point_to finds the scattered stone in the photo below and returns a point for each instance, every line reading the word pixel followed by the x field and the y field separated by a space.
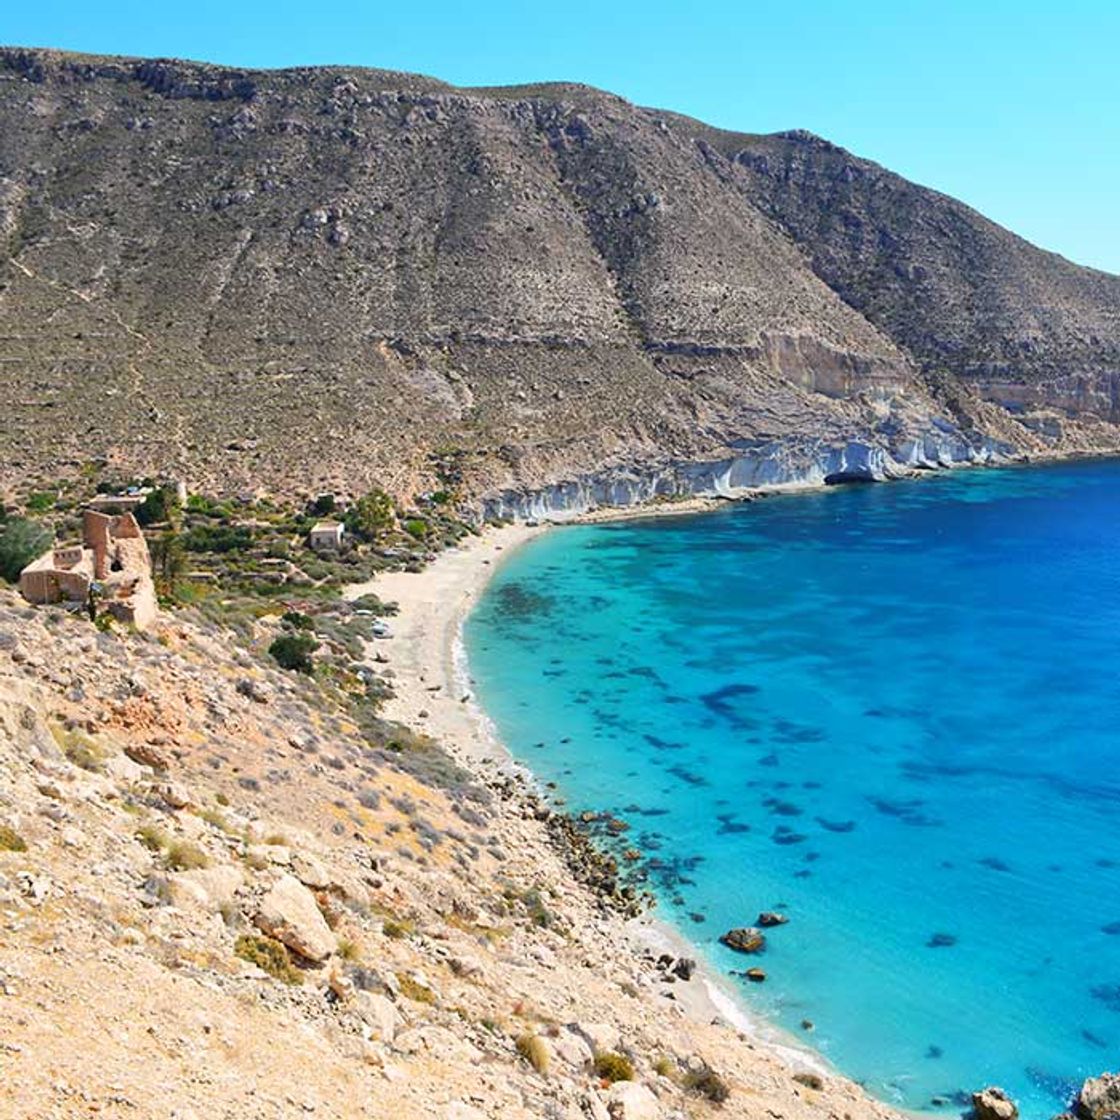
pixel 684 968
pixel 147 755
pixel 809 1079
pixel 631 1100
pixel 770 918
pixel 209 888
pixel 755 975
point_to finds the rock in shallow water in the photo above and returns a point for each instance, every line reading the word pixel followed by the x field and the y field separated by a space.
pixel 993 1104
pixel 1099 1097
pixel 745 940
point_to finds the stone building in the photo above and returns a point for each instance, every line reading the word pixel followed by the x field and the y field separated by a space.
pixel 110 570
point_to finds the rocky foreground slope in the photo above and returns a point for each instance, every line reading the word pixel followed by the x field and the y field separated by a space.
pixel 216 900
pixel 317 279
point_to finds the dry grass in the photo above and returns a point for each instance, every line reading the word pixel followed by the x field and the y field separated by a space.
pixel 268 955
pixel 534 1050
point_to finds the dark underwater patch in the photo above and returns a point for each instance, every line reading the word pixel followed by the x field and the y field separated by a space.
pixel 836 826
pixel 994 863
pixel 906 812
pixel 722 702
pixel 688 776
pixel 660 744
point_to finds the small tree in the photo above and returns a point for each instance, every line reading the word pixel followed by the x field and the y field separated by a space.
pixel 20 542
pixel 372 516
pixel 169 561
pixel 162 504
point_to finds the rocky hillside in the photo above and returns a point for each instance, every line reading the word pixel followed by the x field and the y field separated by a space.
pixel 953 289
pixel 320 278
pixel 217 899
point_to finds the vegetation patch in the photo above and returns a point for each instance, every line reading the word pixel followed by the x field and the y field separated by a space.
pixel 21 541
pixel 293 651
pixel 412 989
pixel 269 955
pixel 10 840
pixel 184 856
pixel 612 1066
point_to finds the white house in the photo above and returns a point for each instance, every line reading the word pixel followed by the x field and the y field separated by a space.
pixel 326 536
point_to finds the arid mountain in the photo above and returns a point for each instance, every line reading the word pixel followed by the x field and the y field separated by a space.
pixel 321 278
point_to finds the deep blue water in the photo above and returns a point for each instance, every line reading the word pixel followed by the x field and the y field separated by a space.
pixel 890 711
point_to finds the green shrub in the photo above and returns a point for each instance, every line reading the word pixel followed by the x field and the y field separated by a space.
pixel 268 955
pixel 416 527
pixel 21 541
pixel 162 504
pixel 611 1066
pixel 293 651
pixel 218 538
pixel 534 1050
pixel 41 500
pixel 10 840
pixel 297 620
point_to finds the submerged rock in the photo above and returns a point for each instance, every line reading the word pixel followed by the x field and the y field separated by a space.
pixel 745 940
pixel 993 1104
pixel 769 918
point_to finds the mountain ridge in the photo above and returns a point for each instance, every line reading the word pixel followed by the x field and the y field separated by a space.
pixel 329 277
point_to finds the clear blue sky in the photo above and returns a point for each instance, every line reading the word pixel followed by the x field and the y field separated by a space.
pixel 1012 107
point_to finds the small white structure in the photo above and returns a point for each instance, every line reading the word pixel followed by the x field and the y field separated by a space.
pixel 326 536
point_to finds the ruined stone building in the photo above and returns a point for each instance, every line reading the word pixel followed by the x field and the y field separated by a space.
pixel 109 569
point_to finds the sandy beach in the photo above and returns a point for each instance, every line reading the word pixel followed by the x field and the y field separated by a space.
pixel 432 692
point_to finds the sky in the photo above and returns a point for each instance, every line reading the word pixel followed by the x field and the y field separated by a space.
pixel 1013 108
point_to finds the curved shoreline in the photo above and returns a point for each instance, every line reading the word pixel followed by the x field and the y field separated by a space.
pixel 432 693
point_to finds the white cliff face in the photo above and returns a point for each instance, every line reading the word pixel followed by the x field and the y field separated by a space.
pixel 761 466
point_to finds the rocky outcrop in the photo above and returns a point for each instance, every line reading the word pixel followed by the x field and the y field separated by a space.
pixel 776 463
pixel 993 1104
pixel 1099 1098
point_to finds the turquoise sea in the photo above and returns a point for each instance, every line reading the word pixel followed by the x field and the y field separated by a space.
pixel 892 712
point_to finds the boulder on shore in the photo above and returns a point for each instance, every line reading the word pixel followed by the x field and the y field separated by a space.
pixel 1099 1098
pixel 993 1103
pixel 745 940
